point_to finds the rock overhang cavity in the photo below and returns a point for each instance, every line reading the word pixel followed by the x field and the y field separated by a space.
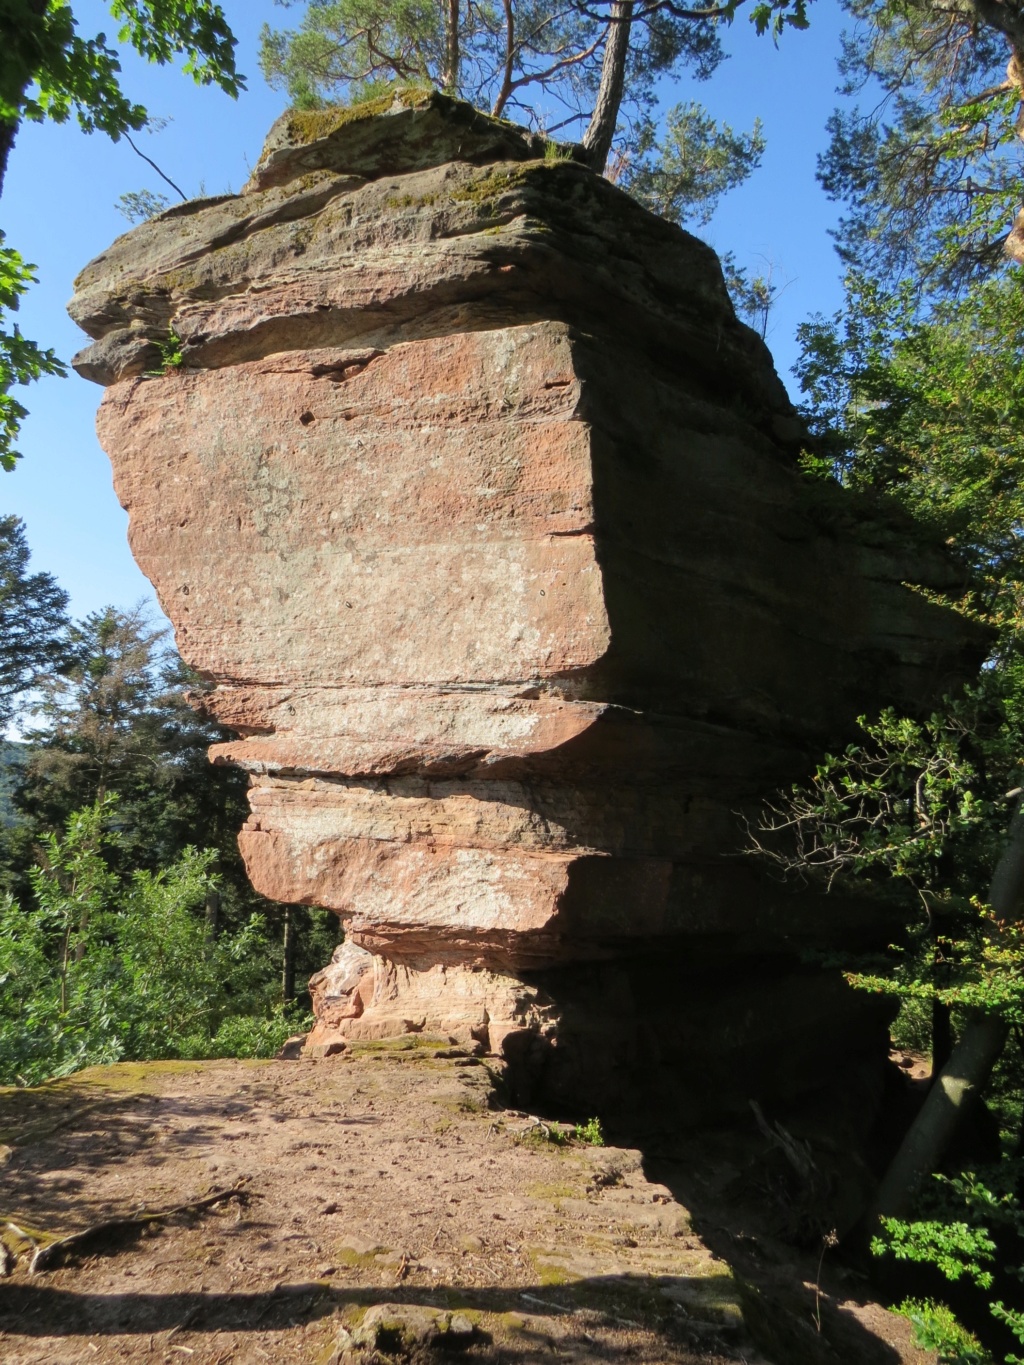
pixel 483 511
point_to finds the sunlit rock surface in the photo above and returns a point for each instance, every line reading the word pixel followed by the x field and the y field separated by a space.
pixel 483 512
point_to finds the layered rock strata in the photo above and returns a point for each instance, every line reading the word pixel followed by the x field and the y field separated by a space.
pixel 482 511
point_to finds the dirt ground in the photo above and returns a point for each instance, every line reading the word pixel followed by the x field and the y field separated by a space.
pixel 379 1208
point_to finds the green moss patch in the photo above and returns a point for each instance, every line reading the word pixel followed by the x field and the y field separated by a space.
pixel 485 190
pixel 552 1190
pixel 354 1258
pixel 313 125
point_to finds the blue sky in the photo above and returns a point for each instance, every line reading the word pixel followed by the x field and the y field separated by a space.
pixel 58 210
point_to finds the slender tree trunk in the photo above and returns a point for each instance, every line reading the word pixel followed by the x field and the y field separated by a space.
pixel 65 962
pixel 942 1020
pixel 964 1076
pixel 453 54
pixel 212 903
pixel 211 907
pixel 83 925
pixel 510 53
pixel 288 961
pixel 598 138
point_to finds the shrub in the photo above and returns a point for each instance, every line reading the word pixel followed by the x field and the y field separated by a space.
pixel 105 968
pixel 936 1329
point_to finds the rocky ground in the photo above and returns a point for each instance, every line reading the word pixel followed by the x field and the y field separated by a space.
pixel 379 1206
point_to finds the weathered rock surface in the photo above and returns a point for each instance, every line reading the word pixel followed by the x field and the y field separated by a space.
pixel 482 510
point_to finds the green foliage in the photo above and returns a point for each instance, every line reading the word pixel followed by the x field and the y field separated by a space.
pixel 1014 1320
pixel 247 1035
pixel 589 1133
pixel 927 411
pixel 34 627
pixel 924 409
pixel 526 59
pixel 350 48
pixel 959 1242
pixel 555 152
pixel 752 295
pixel 930 411
pixel 139 205
pixel 919 801
pixel 103 720
pixel 21 360
pixel 114 719
pixel 930 169
pixel 171 357
pixel 106 967
pixel 683 174
pixel 915 396
pixel 50 71
pixel 936 1329
pixel 911 1030
pixel 12 756
pixel 956 1249
pixel 774 16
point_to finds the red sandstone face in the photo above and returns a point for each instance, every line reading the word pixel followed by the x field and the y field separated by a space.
pixel 418 518
pixel 470 497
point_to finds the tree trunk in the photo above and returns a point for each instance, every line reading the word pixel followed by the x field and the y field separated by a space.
pixel 948 1102
pixel 288 960
pixel 968 1069
pixel 211 908
pixel 501 99
pixel 942 1038
pixel 598 138
pixel 942 1019
pixel 453 55
pixel 83 925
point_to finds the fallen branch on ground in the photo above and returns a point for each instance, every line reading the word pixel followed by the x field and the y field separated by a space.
pixel 796 1152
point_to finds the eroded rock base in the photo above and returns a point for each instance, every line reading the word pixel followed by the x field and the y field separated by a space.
pixel 652 1041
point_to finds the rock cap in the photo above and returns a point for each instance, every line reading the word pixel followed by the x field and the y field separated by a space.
pixel 410 128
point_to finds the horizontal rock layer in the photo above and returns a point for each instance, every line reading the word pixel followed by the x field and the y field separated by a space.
pixel 482 511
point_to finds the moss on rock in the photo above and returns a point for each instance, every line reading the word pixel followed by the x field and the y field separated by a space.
pixel 311 125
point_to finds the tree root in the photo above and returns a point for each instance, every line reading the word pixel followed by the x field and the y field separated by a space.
pixel 54 1254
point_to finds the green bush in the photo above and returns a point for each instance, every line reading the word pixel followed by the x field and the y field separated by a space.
pixel 936 1329
pixel 105 967
pixel 957 1239
pixel 246 1035
pixel 912 1027
pixel 590 1133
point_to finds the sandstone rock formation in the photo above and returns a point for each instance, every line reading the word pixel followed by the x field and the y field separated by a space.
pixel 482 510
